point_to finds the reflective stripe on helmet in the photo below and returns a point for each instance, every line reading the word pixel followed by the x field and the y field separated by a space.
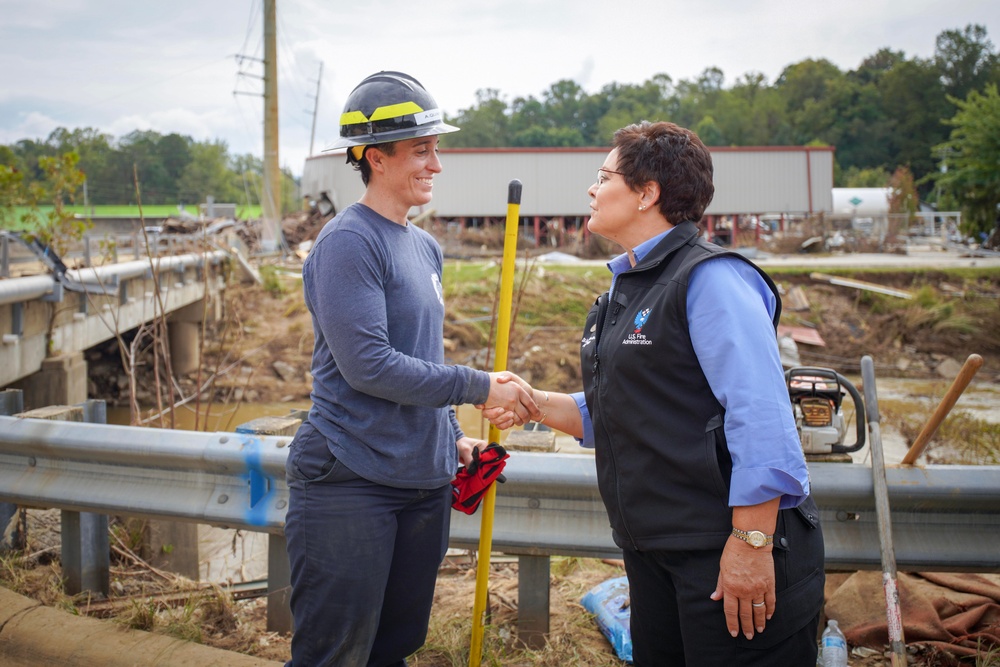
pixel 352 118
pixel 395 111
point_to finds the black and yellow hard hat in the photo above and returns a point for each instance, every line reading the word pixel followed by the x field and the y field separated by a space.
pixel 384 107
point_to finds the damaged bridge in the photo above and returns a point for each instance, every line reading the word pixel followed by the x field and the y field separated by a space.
pixel 47 321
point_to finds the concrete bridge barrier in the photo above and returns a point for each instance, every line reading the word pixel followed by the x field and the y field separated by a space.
pixel 33 635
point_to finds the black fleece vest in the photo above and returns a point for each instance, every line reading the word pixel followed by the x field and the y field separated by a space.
pixel 662 460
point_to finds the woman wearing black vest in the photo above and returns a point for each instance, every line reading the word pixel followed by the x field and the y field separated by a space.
pixel 699 463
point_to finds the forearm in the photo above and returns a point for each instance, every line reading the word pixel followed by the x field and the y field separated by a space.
pixel 560 410
pixel 762 517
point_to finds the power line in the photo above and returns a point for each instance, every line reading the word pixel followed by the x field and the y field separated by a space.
pixel 152 84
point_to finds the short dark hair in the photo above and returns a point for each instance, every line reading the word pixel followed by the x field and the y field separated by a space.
pixel 389 148
pixel 676 159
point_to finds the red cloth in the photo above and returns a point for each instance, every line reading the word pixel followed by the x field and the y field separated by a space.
pixel 958 613
pixel 471 482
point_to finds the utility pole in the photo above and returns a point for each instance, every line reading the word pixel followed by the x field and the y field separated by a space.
pixel 271 213
pixel 312 135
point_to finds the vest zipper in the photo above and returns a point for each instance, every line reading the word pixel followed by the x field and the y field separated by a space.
pixel 602 322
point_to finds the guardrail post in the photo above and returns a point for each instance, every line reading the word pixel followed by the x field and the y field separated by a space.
pixel 11 402
pixel 4 256
pixel 533 600
pixel 86 549
pixel 279 571
pixel 12 537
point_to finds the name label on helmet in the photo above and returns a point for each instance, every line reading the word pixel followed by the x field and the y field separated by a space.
pixel 429 116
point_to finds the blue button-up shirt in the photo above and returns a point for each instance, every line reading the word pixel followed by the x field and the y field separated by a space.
pixel 733 337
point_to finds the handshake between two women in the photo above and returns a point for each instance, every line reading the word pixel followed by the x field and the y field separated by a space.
pixel 514 402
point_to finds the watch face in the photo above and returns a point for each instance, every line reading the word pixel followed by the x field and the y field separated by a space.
pixel 756 538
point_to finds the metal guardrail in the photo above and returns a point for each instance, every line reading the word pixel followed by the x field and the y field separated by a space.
pixel 13 249
pixel 15 290
pixel 945 518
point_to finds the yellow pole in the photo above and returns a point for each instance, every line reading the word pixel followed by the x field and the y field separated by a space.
pixel 499 364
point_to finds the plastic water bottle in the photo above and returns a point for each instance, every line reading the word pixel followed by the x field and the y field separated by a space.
pixel 833 646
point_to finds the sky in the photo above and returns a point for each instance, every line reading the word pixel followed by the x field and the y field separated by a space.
pixel 122 65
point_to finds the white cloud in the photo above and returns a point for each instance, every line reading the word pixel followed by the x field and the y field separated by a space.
pixel 31 125
pixel 170 66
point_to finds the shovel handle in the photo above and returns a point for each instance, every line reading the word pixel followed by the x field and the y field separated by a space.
pixel 969 369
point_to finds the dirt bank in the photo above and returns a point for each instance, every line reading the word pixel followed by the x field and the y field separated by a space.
pixel 268 340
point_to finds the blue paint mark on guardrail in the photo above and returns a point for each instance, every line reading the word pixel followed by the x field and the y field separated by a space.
pixel 261 484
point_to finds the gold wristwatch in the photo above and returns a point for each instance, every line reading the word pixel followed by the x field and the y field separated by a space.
pixel 754 538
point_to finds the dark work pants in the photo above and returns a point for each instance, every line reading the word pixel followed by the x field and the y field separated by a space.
pixel 364 561
pixel 675 623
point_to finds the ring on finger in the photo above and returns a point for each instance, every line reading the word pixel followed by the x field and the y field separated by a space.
pixel 757 604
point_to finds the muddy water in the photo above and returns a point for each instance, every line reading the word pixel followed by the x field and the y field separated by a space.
pixel 220 417
pixel 920 399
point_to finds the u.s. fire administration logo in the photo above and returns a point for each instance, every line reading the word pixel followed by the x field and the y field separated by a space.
pixel 637 337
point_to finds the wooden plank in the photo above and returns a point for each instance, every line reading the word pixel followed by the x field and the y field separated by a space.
pixel 861 285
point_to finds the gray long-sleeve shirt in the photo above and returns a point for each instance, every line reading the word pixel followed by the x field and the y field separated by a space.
pixel 382 394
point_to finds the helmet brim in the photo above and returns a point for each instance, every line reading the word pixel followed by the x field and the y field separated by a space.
pixel 388 137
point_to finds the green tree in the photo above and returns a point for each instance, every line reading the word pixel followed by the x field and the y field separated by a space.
pixel 174 151
pixel 483 125
pixel 709 132
pixel 563 102
pixel 966 60
pixel 28 152
pixel 61 229
pixel 914 103
pixel 752 114
pixel 141 151
pixel 7 156
pixel 55 228
pixel 972 153
pixel 866 177
pixel 12 195
pixel 873 68
pixel 97 159
pixel 209 173
pixel 806 80
pixel 627 104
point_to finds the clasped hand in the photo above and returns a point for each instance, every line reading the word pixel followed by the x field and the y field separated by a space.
pixel 510 402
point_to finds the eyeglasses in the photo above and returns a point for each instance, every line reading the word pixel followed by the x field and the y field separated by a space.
pixel 602 171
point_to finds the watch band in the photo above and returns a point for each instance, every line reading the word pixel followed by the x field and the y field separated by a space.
pixel 754 538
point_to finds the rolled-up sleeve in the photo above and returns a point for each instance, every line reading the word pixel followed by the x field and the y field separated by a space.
pixel 588 426
pixel 730 307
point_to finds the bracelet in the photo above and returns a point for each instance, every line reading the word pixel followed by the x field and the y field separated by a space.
pixel 546 395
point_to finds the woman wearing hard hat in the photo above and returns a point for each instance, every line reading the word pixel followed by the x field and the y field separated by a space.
pixel 369 472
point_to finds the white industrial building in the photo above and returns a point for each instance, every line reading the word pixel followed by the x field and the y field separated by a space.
pixel 776 182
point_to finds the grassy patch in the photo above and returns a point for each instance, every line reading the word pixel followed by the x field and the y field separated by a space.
pixel 131 211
